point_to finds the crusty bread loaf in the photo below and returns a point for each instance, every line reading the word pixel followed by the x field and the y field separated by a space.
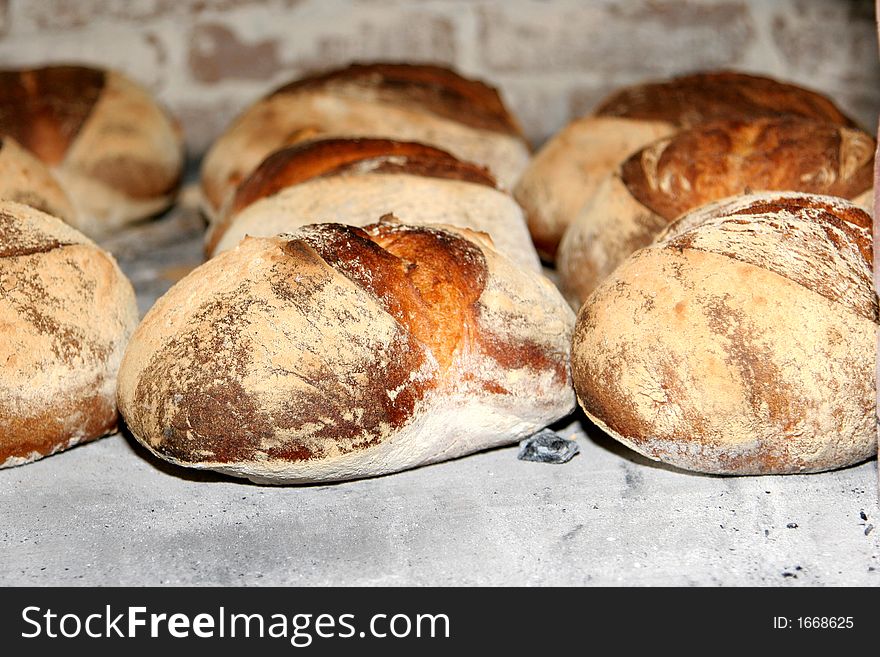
pixel 703 164
pixel 567 172
pixel 117 154
pixel 741 342
pixel 66 312
pixel 25 179
pixel 337 352
pixel 353 181
pixel 421 103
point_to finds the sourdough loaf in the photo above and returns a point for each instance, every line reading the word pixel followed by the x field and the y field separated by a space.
pixel 25 179
pixel 567 172
pixel 353 181
pixel 336 352
pixel 421 103
pixel 66 312
pixel 741 342
pixel 693 167
pixel 117 154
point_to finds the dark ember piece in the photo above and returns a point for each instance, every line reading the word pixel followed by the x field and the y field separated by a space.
pixel 547 446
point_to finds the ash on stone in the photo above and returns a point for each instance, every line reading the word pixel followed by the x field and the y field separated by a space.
pixel 547 446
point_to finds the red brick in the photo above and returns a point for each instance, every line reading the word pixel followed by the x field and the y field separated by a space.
pixel 633 37
pixel 818 38
pixel 413 36
pixel 216 53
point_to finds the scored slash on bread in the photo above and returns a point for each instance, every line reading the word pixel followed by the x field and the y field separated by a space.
pixel 353 181
pixel 712 161
pixel 566 173
pixel 336 352
pixel 117 154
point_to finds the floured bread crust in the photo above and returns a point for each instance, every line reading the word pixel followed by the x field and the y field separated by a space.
pixel 426 104
pixel 743 342
pixel 25 179
pixel 353 181
pixel 117 154
pixel 66 313
pixel 693 167
pixel 336 352
pixel 566 173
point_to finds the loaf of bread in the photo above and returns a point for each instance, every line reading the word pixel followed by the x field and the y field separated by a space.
pixel 566 173
pixel 338 352
pixel 66 313
pixel 25 179
pixel 353 181
pixel 679 173
pixel 117 154
pixel 427 104
pixel 741 342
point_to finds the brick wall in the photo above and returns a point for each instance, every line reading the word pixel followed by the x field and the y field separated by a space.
pixel 553 59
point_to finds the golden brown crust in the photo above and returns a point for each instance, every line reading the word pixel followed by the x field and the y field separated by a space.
pixel 692 99
pixel 325 157
pixel 329 157
pixel 725 158
pixel 43 109
pixel 820 242
pixel 25 179
pixel 436 89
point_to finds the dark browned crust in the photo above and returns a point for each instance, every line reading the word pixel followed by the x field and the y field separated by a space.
pixel 727 158
pixel 435 89
pixel 45 433
pixel 692 99
pixel 44 109
pixel 14 242
pixel 429 280
pixel 329 157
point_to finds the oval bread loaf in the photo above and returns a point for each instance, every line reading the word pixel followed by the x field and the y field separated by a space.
pixel 741 342
pixel 66 313
pixel 116 152
pixel 25 179
pixel 693 167
pixel 421 103
pixel 353 181
pixel 569 169
pixel 337 352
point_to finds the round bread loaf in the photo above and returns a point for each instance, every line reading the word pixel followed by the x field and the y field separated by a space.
pixel 427 104
pixel 336 352
pixel 693 167
pixel 117 154
pixel 25 179
pixel 66 313
pixel 353 181
pixel 741 342
pixel 567 172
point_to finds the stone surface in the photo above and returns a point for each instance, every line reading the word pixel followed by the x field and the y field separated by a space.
pixel 109 513
pixel 547 446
